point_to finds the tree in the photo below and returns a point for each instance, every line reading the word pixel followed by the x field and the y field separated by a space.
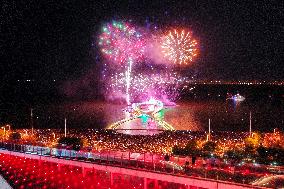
pixel 191 148
pixel 270 155
pixel 74 143
pixel 262 151
pixel 177 151
pixel 249 150
pixel 209 147
pixel 234 154
pixel 15 136
pixel 253 141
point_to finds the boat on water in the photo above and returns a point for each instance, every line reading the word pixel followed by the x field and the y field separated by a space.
pixel 236 97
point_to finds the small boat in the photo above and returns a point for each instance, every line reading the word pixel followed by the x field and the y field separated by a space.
pixel 236 97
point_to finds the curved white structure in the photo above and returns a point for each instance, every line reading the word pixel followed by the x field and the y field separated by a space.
pixel 149 111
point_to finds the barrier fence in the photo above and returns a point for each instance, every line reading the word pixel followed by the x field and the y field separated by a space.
pixel 148 161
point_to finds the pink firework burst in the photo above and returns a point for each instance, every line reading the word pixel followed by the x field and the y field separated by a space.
pixel 119 42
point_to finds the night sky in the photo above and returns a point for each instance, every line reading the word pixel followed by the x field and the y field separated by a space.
pixel 46 40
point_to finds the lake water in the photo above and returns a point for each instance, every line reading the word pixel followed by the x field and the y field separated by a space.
pixel 266 103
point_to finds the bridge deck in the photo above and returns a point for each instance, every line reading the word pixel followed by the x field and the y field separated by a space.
pixel 145 174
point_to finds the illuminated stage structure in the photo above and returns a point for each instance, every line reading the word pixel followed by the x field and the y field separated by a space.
pixel 147 116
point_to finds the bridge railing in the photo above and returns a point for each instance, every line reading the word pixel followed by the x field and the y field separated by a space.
pixel 154 162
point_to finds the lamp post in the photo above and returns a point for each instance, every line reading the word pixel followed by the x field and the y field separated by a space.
pixel 65 132
pixel 250 123
pixel 9 126
pixel 32 125
pixel 209 130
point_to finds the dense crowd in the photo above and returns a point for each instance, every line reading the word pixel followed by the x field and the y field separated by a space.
pixel 159 143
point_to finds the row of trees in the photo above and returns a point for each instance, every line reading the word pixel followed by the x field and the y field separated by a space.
pixel 65 142
pixel 192 149
pixel 251 151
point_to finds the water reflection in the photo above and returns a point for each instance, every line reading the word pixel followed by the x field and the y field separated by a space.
pixel 190 115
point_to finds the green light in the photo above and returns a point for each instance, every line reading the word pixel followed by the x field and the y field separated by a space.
pixel 144 118
pixel 105 29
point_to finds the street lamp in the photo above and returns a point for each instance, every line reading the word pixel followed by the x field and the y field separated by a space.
pixel 65 127
pixel 32 125
pixel 8 126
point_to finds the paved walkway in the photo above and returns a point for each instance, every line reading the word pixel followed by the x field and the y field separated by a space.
pixel 4 184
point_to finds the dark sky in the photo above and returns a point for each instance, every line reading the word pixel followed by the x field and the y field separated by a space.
pixel 46 40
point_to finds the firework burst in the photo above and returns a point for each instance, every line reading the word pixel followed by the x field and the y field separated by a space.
pixel 120 41
pixel 165 86
pixel 179 47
